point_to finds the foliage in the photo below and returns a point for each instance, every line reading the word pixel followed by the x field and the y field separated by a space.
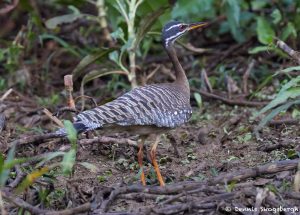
pixel 288 95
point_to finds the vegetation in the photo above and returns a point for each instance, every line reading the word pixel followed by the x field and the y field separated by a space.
pixel 243 70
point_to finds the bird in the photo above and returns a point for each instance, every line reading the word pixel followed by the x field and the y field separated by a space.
pixel 149 109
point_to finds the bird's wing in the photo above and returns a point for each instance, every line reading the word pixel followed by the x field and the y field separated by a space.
pixel 159 105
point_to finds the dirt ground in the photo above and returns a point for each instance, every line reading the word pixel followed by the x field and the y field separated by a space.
pixel 217 142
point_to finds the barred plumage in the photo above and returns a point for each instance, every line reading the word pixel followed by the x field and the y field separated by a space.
pixel 161 105
pixel 148 109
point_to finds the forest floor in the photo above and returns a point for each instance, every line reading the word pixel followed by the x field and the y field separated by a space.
pixel 212 165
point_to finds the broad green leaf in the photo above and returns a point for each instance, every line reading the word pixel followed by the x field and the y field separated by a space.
pixel 233 11
pixel 118 34
pixel 273 113
pixel 289 30
pixel 49 157
pixel 198 99
pixel 63 43
pixel 290 69
pixel 264 31
pixel 93 168
pixel 295 113
pixel 5 171
pixel 87 60
pixel 114 56
pixel 291 83
pixel 2 173
pixel 191 9
pixel 260 49
pixel 68 161
pixel 281 98
pixel 276 15
pixel 71 133
pixel 146 24
pixel 64 19
pixel 12 163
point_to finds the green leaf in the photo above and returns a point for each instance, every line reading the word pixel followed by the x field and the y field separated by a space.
pixel 146 24
pixel 68 161
pixel 118 34
pixel 198 99
pixel 281 98
pixel 290 69
pixel 71 133
pixel 5 171
pixel 49 157
pixel 64 44
pixel 64 19
pixel 114 56
pixel 276 15
pixel 260 49
pixel 273 113
pixel 233 11
pixel 2 173
pixel 264 31
pixel 191 9
pixel 12 163
pixel 289 30
pixel 93 168
pixel 89 59
pixel 291 83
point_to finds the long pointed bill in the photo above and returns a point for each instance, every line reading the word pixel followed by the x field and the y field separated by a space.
pixel 197 25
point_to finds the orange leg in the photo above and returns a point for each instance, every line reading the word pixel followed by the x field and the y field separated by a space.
pixel 140 161
pixel 154 162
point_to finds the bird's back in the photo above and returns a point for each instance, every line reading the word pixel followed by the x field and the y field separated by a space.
pixel 159 105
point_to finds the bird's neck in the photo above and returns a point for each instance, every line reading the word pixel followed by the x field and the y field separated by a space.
pixel 181 79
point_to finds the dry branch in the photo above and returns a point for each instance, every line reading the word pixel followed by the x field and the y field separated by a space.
pixel 246 76
pixel 292 53
pixel 230 101
pixel 38 139
pixel 269 168
pixel 53 118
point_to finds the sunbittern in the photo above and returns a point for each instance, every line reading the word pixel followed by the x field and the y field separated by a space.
pixel 148 109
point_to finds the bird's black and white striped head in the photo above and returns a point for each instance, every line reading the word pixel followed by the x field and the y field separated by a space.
pixel 175 29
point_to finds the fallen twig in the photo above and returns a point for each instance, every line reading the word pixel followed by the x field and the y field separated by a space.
pixel 37 139
pixel 2 122
pixel 230 101
pixel 246 76
pixel 20 176
pixel 269 168
pixel 104 139
pixel 6 94
pixel 292 53
pixel 34 139
pixel 282 143
pixel 284 121
pixel 9 8
pixel 53 118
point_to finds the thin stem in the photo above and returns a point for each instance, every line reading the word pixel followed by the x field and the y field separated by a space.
pixel 137 5
pixel 131 37
pixel 123 12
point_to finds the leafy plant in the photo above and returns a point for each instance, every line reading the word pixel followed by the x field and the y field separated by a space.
pixel 288 95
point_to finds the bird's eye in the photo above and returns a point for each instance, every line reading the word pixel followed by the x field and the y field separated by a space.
pixel 182 27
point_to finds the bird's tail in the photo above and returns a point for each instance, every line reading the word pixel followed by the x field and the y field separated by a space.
pixel 79 127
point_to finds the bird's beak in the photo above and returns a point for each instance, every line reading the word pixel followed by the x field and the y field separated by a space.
pixel 197 25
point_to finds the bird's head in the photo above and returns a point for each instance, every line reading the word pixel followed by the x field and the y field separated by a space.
pixel 174 29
